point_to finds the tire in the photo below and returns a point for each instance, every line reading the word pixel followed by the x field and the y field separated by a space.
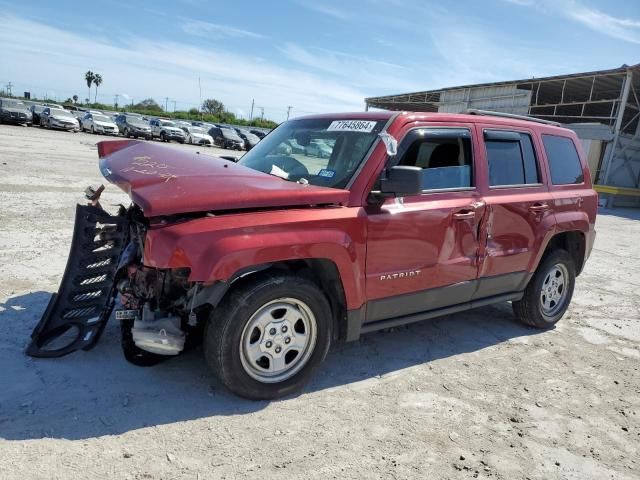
pixel 232 326
pixel 181 141
pixel 543 304
pixel 93 132
pixel 162 137
pixel 126 133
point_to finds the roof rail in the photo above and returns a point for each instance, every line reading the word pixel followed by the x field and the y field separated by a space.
pixel 475 111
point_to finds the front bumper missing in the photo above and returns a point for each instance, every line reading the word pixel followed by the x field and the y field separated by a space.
pixel 77 314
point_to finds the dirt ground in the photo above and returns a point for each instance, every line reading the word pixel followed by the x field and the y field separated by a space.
pixel 472 395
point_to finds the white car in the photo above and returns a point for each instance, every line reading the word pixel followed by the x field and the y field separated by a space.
pixel 98 123
pixel 198 136
pixel 58 118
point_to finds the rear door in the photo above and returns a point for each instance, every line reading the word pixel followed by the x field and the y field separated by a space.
pixel 422 250
pixel 519 216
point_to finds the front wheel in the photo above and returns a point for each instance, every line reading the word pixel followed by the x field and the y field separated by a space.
pixel 267 337
pixel 549 292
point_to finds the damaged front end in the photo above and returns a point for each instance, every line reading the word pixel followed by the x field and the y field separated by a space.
pixel 157 307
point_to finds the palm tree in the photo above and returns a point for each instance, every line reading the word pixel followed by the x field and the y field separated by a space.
pixel 75 99
pixel 89 76
pixel 97 81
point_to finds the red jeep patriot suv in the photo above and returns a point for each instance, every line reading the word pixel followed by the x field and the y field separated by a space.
pixel 331 227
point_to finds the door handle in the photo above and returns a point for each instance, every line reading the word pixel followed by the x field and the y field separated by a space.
pixel 539 207
pixel 464 215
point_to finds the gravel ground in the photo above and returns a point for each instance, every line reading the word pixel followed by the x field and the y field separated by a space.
pixel 472 395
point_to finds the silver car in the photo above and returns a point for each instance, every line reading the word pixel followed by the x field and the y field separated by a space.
pixel 98 123
pixel 59 119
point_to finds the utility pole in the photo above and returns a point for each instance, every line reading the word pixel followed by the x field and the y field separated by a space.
pixel 289 111
pixel 166 103
pixel 9 86
pixel 115 102
pixel 262 114
pixel 200 88
pixel 253 101
pixel 174 105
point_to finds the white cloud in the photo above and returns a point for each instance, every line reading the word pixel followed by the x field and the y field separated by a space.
pixel 620 28
pixel 325 9
pixel 215 31
pixel 49 59
pixel 626 29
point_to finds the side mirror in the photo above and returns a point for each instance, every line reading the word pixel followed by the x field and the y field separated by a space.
pixel 402 180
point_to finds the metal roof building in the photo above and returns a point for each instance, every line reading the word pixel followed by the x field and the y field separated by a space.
pixel 602 106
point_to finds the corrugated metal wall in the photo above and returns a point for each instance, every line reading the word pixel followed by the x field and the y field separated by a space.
pixel 506 98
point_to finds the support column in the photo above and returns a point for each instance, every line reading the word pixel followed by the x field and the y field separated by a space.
pixel 626 87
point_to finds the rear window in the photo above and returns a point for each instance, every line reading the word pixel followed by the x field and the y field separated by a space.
pixel 511 158
pixel 564 162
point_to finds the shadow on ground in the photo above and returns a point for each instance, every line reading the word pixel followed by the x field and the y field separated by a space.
pixel 89 394
pixel 629 213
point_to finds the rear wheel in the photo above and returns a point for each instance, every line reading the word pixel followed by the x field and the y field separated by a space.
pixel 126 133
pixel 549 292
pixel 267 337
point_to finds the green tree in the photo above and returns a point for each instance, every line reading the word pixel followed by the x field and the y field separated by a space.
pixel 97 81
pixel 75 99
pixel 148 104
pixel 212 106
pixel 88 77
pixel 194 111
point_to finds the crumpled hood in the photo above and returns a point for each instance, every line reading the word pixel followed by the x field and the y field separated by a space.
pixel 164 180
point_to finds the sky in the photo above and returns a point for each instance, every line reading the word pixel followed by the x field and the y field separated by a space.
pixel 314 56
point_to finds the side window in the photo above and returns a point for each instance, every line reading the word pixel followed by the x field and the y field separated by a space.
pixel 564 162
pixel 511 158
pixel 444 156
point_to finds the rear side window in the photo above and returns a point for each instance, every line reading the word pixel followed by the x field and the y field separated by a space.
pixel 511 158
pixel 564 162
pixel 444 155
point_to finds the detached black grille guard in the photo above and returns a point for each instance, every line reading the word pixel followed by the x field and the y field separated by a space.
pixel 77 314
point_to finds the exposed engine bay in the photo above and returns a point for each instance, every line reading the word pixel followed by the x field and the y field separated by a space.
pixel 159 309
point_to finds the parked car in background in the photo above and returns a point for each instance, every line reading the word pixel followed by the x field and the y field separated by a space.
pixel 318 149
pixel 98 123
pixel 166 130
pixel 15 111
pixel 36 110
pixel 250 140
pixel 58 118
pixel 226 138
pixel 131 125
pixel 258 133
pixel 198 136
pixel 78 114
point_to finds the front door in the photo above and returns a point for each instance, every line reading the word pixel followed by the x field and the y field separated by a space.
pixel 422 250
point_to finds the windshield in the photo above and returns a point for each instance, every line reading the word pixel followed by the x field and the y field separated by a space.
pixel 136 121
pixel 60 113
pixel 13 104
pixel 324 152
pixel 197 130
pixel 101 118
pixel 230 134
pixel 167 124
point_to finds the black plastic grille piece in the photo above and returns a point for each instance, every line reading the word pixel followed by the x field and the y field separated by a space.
pixel 76 315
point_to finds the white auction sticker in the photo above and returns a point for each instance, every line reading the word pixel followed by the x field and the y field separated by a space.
pixel 352 126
